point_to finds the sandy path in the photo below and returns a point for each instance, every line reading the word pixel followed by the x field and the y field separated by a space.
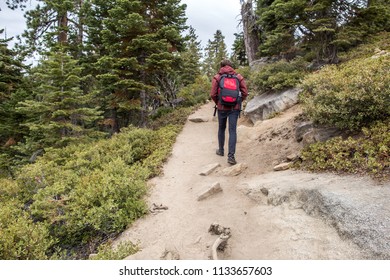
pixel 259 231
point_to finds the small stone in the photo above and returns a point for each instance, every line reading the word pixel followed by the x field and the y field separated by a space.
pixel 235 169
pixel 264 191
pixel 214 189
pixel 283 166
pixel 209 168
pixel 292 157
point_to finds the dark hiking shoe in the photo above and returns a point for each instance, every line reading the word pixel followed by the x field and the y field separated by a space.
pixel 232 160
pixel 219 152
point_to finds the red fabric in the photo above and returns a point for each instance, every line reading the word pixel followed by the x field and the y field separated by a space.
pixel 214 87
pixel 230 83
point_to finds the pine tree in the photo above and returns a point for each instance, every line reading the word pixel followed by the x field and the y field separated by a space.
pixel 54 22
pixel 239 56
pixel 191 58
pixel 279 21
pixel 60 112
pixel 215 52
pixel 140 39
pixel 12 90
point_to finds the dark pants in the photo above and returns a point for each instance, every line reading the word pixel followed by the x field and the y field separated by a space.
pixel 232 116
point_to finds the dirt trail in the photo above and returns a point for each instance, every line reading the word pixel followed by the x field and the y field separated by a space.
pixel 259 231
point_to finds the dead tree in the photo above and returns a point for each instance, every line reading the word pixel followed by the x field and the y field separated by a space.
pixel 251 32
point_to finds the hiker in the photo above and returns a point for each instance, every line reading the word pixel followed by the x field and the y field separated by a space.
pixel 228 111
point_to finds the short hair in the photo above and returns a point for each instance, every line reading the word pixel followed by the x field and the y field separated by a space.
pixel 225 62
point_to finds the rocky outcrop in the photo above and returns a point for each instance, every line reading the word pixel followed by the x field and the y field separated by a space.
pixel 263 106
pixel 356 207
pixel 308 133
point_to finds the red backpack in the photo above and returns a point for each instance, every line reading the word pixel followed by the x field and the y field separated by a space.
pixel 229 90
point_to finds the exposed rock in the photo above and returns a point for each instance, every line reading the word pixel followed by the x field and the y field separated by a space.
pixel 262 106
pixel 283 166
pixel 214 189
pixel 235 169
pixel 307 133
pixel 302 129
pixel 209 169
pixel 264 191
pixel 308 138
pixel 324 133
pixel 292 157
pixel 356 207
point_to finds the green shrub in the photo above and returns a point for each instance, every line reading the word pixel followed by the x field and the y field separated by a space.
pixel 279 75
pixel 178 116
pixel 351 95
pixel 107 252
pixel 196 93
pixel 20 237
pixel 368 154
pixel 87 193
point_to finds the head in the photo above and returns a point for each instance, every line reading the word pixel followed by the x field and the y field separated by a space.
pixel 225 62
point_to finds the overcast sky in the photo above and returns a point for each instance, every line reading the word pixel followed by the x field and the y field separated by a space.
pixel 206 16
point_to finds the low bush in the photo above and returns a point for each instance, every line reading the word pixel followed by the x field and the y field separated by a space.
pixel 86 194
pixel 20 237
pixel 107 252
pixel 349 96
pixel 279 75
pixel 367 154
pixel 196 93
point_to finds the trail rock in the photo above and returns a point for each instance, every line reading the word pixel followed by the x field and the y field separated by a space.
pixel 214 189
pixel 283 166
pixel 293 157
pixel 356 207
pixel 262 106
pixel 235 169
pixel 209 169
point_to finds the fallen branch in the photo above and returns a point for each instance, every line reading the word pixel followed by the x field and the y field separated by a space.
pixel 157 208
pixel 221 241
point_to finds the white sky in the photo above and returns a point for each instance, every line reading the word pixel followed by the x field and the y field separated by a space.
pixel 205 16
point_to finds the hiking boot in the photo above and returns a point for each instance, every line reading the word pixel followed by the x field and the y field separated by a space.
pixel 232 160
pixel 219 152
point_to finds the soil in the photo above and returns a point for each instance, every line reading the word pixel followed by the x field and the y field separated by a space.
pixel 178 225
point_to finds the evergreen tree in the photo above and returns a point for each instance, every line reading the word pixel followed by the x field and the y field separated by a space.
pixel 141 39
pixel 319 27
pixel 191 58
pixel 215 52
pixel 239 54
pixel 54 22
pixel 279 22
pixel 60 112
pixel 12 90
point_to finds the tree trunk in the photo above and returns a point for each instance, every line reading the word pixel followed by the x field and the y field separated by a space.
pixel 251 36
pixel 63 27
pixel 80 23
pixel 143 120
